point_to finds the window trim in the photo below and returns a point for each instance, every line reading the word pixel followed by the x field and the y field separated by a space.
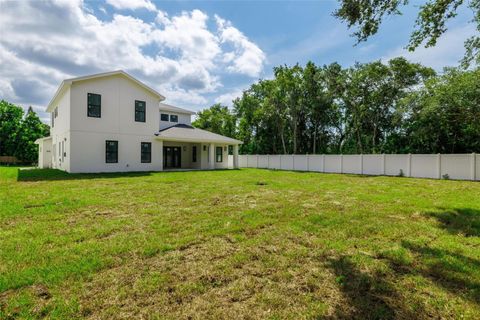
pixel 219 154
pixel 176 117
pixel 107 152
pixel 164 114
pixel 99 106
pixel 149 152
pixel 144 111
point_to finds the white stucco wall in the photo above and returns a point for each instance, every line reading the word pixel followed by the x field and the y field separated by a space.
pixel 60 133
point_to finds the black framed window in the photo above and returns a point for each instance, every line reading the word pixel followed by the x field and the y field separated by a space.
pixel 173 118
pixel 111 151
pixel 164 117
pixel 219 154
pixel 53 119
pixel 140 111
pixel 194 154
pixel 146 152
pixel 94 107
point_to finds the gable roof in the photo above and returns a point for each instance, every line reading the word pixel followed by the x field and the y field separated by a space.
pixel 170 108
pixel 68 82
pixel 186 133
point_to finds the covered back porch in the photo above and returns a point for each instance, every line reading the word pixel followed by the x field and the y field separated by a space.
pixel 187 148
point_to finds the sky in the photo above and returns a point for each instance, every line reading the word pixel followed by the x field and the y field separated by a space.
pixel 195 53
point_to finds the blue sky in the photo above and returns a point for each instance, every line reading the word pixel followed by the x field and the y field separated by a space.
pixel 196 53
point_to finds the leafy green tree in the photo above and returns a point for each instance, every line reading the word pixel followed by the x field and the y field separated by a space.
pixel 10 127
pixel 366 16
pixel 445 114
pixel 31 129
pixel 217 119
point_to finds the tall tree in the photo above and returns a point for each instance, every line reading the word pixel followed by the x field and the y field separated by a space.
pixel 30 130
pixel 10 127
pixel 216 119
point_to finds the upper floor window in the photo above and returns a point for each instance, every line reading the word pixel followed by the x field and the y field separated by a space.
pixel 111 151
pixel 140 111
pixel 53 119
pixel 219 154
pixel 94 108
pixel 146 152
pixel 56 112
pixel 173 118
pixel 164 117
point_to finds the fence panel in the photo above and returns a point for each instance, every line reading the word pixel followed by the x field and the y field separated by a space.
pixel 373 164
pixel 352 164
pixel 456 166
pixel 252 161
pixel 274 162
pixel 333 163
pixel 424 166
pixel 315 163
pixel 263 161
pixel 300 162
pixel 286 162
pixel 396 163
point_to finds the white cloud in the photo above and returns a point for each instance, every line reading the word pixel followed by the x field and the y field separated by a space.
pixel 227 98
pixel 246 57
pixel 447 52
pixel 44 42
pixel 132 4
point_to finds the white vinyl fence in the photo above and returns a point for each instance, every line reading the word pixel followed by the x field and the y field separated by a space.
pixel 435 166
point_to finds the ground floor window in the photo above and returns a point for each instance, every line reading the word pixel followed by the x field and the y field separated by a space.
pixel 146 152
pixel 219 154
pixel 111 151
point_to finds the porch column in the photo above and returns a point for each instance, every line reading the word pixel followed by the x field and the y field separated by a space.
pixel 160 144
pixel 211 165
pixel 235 156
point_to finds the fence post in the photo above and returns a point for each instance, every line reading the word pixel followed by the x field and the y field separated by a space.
pixel 257 162
pixel 341 163
pixel 280 162
pixel 323 163
pixel 439 166
pixel 473 166
pixel 293 162
pixel 268 161
pixel 247 159
pixel 308 163
pixel 361 163
pixel 384 159
pixel 409 165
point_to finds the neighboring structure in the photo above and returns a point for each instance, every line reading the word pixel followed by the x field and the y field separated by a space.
pixel 112 122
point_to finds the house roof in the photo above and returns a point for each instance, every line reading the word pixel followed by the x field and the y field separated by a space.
pixel 167 107
pixel 42 139
pixel 68 82
pixel 186 133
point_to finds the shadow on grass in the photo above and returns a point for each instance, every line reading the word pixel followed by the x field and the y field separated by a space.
pixel 369 295
pixel 459 221
pixel 55 174
pixel 451 270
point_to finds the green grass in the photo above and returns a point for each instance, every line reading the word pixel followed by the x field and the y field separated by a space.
pixel 244 243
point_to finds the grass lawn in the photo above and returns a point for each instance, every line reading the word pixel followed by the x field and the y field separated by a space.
pixel 244 243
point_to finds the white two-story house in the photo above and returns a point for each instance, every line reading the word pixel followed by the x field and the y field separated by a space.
pixel 111 122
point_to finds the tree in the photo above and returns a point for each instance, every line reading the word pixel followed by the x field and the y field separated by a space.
pixel 10 127
pixel 445 114
pixel 30 130
pixel 18 133
pixel 217 119
pixel 366 16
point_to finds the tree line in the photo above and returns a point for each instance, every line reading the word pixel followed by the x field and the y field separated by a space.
pixel 376 107
pixel 18 132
